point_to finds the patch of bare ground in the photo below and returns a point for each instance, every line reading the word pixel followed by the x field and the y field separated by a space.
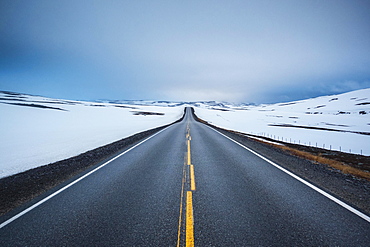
pixel 145 113
pixel 35 105
pixel 123 106
pixel 344 175
pixel 220 109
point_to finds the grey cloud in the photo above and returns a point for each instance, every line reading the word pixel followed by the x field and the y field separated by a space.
pixel 228 50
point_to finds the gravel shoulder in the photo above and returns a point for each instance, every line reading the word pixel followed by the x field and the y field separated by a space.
pixel 353 190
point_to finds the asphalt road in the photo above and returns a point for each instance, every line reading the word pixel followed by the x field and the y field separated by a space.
pixel 187 185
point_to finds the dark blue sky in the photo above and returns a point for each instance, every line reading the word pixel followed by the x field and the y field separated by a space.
pixel 238 51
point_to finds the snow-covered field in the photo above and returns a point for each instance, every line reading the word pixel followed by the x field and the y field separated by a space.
pixel 337 122
pixel 36 130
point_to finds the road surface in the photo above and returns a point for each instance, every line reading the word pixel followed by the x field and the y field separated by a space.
pixel 187 185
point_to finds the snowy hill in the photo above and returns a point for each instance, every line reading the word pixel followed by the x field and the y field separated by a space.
pixel 337 122
pixel 38 130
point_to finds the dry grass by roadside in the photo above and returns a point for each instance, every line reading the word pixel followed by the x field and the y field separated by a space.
pixel 346 163
pixel 345 168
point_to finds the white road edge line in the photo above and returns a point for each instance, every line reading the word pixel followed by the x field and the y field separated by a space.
pixel 74 182
pixel 343 204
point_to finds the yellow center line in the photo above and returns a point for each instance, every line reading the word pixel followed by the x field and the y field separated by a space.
pixel 189 153
pixel 181 201
pixel 189 220
pixel 188 203
pixel 192 178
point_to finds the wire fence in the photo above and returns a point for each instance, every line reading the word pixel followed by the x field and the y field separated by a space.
pixel 327 146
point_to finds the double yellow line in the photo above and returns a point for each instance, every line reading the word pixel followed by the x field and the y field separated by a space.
pixel 189 221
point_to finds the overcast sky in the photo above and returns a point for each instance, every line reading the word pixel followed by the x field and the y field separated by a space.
pixel 239 51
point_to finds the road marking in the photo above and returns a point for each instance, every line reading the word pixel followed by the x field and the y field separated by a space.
pixel 334 199
pixel 192 178
pixel 181 202
pixel 75 181
pixel 189 220
pixel 189 153
pixel 188 139
pixel 188 212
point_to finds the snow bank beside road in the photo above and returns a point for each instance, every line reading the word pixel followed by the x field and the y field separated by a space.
pixel 37 131
pixel 338 122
